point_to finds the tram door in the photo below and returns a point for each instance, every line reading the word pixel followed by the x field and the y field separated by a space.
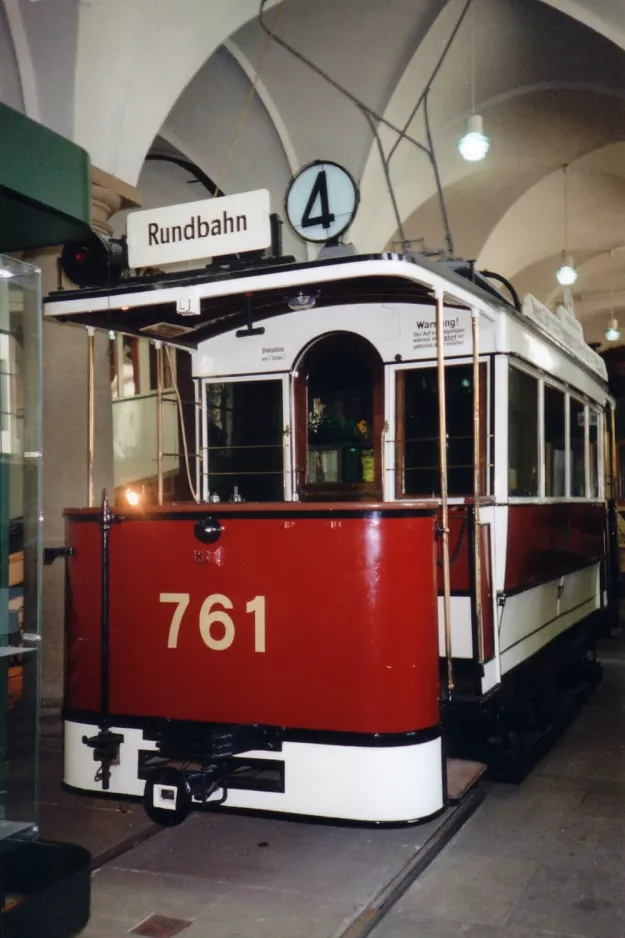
pixel 339 418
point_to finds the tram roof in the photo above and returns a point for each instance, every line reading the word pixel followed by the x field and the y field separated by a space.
pixel 139 306
pixel 148 306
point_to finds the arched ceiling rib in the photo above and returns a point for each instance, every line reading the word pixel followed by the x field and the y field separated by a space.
pixel 549 73
pixel 148 52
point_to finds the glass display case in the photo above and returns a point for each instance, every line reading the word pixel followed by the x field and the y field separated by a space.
pixel 44 887
pixel 20 543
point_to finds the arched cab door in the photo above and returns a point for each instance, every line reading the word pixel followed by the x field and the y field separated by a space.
pixel 339 418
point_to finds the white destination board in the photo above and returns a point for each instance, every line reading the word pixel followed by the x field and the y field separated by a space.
pixel 190 231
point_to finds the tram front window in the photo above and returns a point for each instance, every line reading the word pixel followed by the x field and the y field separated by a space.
pixel 245 440
pixel 339 407
pixel 418 446
pixel 340 421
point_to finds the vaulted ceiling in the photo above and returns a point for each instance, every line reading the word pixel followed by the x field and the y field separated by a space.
pixel 204 80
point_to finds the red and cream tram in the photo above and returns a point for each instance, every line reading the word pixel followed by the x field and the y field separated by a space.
pixel 342 601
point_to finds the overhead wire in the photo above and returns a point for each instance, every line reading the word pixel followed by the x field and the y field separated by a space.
pixel 217 191
pixel 372 115
pixel 251 93
pixel 387 175
pixel 431 79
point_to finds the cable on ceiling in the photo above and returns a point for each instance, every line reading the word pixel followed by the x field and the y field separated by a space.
pixel 372 115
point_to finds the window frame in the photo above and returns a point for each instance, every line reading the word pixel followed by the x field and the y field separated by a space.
pixel 590 406
pixel 142 351
pixel 392 489
pixel 337 491
pixel 519 365
pixel 287 434
pixel 601 422
pixel 563 390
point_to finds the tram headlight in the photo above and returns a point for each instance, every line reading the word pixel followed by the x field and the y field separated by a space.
pixel 94 260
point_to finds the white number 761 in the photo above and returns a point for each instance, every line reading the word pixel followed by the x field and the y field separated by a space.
pixel 210 616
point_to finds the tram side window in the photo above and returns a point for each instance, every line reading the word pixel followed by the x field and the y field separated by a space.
pixel 418 458
pixel 168 381
pixel 124 366
pixel 594 425
pixel 577 448
pixel 245 440
pixel 523 475
pixel 555 443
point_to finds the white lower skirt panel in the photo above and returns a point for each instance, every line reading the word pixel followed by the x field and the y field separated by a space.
pixel 461 634
pixel 535 617
pixel 386 784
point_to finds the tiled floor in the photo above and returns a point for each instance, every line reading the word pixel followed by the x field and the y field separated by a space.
pixel 99 824
pixel 243 876
pixel 545 859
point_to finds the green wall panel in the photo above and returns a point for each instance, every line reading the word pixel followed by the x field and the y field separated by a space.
pixel 45 185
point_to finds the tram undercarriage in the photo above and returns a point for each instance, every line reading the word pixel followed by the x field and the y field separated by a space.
pixel 510 729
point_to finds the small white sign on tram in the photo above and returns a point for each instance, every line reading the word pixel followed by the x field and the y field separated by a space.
pixel 230 224
pixel 321 201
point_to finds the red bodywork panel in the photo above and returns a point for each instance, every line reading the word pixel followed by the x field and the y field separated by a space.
pixel 350 623
pixel 550 541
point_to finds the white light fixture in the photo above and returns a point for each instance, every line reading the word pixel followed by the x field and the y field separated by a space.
pixel 613 333
pixel 566 273
pixel 133 497
pixel 475 144
pixel 5 274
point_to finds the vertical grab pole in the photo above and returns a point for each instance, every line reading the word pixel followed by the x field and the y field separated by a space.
pixel 90 413
pixel 105 744
pixel 442 426
pixel 159 420
pixel 477 484
pixel 106 520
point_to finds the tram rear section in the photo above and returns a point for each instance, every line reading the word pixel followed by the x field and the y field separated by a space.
pixel 378 601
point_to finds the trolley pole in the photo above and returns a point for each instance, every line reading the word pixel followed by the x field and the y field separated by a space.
pixel 477 484
pixel 442 423
pixel 90 413
pixel 159 420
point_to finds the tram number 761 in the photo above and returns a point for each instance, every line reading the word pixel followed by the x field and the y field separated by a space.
pixel 210 616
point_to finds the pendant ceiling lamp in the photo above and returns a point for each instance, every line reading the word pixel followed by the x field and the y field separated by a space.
pixel 474 145
pixel 566 275
pixel 612 333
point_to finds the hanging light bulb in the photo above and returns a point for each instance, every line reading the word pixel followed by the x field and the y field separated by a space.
pixel 612 333
pixel 566 273
pixel 475 144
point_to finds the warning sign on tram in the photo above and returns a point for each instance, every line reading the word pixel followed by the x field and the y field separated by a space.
pixel 230 224
pixel 456 331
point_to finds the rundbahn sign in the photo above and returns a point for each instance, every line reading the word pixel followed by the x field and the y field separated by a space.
pixel 230 224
